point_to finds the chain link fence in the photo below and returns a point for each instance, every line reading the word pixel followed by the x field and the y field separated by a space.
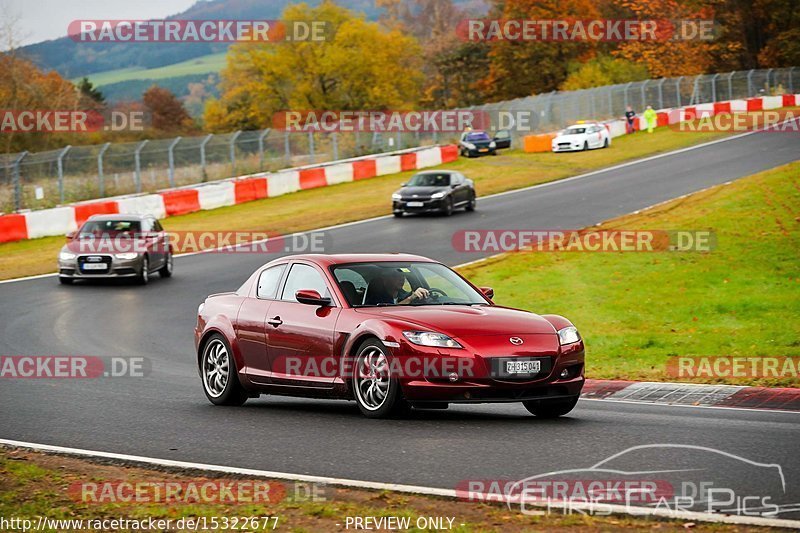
pixel 77 173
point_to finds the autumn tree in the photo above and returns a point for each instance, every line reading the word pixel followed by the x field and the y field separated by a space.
pixel 603 70
pixel 360 66
pixel 166 112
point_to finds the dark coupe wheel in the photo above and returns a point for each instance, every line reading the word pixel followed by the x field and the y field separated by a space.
pixel 144 275
pixel 550 408
pixel 377 393
pixel 398 213
pixel 166 270
pixel 447 208
pixel 472 203
pixel 218 371
pixel 65 281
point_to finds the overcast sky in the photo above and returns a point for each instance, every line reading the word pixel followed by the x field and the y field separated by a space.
pixel 40 20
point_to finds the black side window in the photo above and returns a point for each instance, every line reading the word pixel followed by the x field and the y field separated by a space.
pixel 268 282
pixel 303 277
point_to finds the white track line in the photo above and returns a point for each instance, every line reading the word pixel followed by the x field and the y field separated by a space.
pixel 374 485
pixel 635 402
pixel 495 195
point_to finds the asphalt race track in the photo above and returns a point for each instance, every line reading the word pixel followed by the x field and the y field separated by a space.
pixel 166 415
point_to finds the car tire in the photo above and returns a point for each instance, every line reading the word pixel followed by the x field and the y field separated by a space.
pixel 447 210
pixel 471 204
pixel 605 143
pixel 377 395
pixel 166 270
pixel 493 152
pixel 219 374
pixel 585 145
pixel 65 281
pixel 550 408
pixel 144 275
pixel 398 214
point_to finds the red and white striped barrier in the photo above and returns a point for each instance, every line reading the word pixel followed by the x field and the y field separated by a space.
pixel 172 202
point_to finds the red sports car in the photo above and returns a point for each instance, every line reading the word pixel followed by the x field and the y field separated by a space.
pixel 390 331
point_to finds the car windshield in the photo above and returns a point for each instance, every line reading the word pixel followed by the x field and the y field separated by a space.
pixel 110 227
pixel 430 179
pixel 389 283
pixel 575 129
pixel 477 136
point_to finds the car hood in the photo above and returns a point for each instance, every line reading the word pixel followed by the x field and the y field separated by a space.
pixel 569 136
pixel 104 246
pixel 467 321
pixel 421 192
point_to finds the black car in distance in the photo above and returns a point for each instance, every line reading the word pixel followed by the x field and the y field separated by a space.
pixel 434 191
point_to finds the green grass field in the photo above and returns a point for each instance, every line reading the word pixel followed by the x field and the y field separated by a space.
pixel 635 310
pixel 197 65
pixel 368 198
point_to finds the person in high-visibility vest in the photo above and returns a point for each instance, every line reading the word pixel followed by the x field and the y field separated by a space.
pixel 651 117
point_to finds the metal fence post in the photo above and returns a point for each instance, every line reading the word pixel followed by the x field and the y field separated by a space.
pixel 137 171
pixel 18 182
pixel 627 85
pixel 644 96
pixel 171 156
pixel 730 85
pixel 750 83
pixel 714 87
pixel 678 91
pixel 769 71
pixel 311 146
pixel 661 93
pixel 101 180
pixel 203 154
pixel 60 164
pixel 791 80
pixel 233 151
pixel 261 148
pixel 287 150
pixel 335 144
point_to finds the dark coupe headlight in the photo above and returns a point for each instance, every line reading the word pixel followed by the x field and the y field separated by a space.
pixel 568 335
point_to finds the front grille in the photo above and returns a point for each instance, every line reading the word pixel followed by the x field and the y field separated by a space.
pixel 94 260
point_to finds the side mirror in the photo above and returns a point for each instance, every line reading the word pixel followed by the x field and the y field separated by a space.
pixel 311 297
pixel 71 235
pixel 404 184
pixel 488 292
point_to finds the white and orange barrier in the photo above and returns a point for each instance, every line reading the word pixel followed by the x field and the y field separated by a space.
pixel 172 202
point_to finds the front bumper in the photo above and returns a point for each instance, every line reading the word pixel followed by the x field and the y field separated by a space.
pixel 116 268
pixel 482 383
pixel 567 146
pixel 428 205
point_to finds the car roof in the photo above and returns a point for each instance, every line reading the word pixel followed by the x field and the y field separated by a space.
pixel 119 216
pixel 442 171
pixel 325 260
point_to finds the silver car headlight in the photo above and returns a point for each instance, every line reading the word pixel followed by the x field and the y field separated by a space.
pixel 469 146
pixel 66 256
pixel 396 196
pixel 438 195
pixel 430 338
pixel 492 144
pixel 127 255
pixel 568 335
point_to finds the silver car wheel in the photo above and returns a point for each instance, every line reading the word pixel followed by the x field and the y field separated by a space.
pixel 216 364
pixel 373 378
pixel 145 270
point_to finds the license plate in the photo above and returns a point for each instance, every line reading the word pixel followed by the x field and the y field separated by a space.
pixel 523 367
pixel 415 204
pixel 95 266
pixel 483 150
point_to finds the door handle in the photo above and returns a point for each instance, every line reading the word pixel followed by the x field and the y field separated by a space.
pixel 275 321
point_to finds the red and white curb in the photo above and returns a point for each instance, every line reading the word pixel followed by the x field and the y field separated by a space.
pixel 694 395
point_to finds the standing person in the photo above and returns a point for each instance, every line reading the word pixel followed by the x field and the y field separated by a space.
pixel 651 117
pixel 630 116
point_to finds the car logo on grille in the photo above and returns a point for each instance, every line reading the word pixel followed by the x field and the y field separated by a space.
pixel 94 259
pixel 516 341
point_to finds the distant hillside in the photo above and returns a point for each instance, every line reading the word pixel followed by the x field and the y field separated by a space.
pixel 73 60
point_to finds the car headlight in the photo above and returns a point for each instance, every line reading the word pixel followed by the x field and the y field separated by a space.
pixel 438 194
pixel 492 144
pixel 430 338
pixel 66 256
pixel 200 308
pixel 470 146
pixel 396 196
pixel 127 255
pixel 568 335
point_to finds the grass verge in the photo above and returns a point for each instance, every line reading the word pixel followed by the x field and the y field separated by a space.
pixel 34 485
pixel 635 310
pixel 316 208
